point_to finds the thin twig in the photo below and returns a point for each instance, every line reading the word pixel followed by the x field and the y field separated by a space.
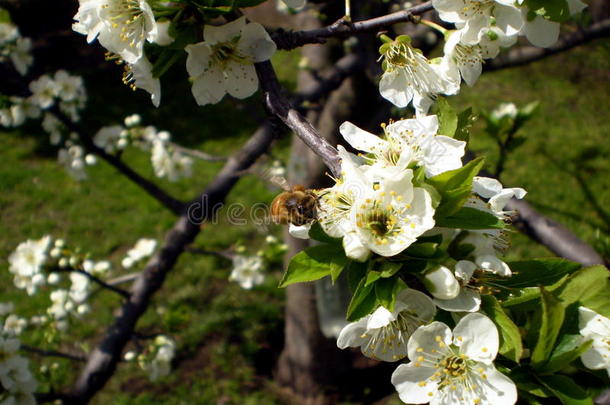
pixel 527 54
pixel 103 360
pixel 123 279
pixel 344 28
pixel 198 154
pixel 279 106
pixel 98 281
pixel 52 353
pixel 174 205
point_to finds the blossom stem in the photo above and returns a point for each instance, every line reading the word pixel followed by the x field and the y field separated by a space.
pixel 435 26
pixel 99 281
pixel 52 353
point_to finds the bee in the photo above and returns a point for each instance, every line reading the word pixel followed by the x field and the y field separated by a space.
pixel 296 205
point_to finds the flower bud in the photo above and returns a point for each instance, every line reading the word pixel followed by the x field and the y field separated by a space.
pixel 441 283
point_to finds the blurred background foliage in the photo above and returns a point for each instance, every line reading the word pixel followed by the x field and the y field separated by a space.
pixel 229 339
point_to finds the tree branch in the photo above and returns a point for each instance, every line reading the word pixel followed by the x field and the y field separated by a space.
pixel 103 360
pixel 52 353
pixel 527 54
pixel 97 280
pixel 342 28
pixel 169 202
pixel 550 233
pixel 279 106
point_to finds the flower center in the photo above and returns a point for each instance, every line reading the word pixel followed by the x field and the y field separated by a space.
pixel 473 8
pixel 416 68
pixel 128 15
pixel 225 52
pixel 379 220
pixel 468 55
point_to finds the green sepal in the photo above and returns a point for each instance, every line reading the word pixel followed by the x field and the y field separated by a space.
pixel 511 346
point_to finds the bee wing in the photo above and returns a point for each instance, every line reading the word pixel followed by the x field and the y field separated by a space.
pixel 280 182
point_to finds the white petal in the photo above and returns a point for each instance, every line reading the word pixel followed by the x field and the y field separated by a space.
pixel 241 80
pixel 466 301
pixel 351 334
pixel 471 72
pixel 256 43
pixel 494 265
pixel 412 383
pixel 394 87
pixel 470 32
pixel 447 10
pixel 541 32
pixel 424 339
pixel 361 139
pixel 486 187
pixel 163 38
pixel 497 389
pixel 209 87
pixel 576 6
pixel 477 337
pixel 380 318
pixel 299 231
pixel 214 34
pixel 354 248
pixel 508 19
pixel 441 283
pixel 416 302
pixel 464 269
pixel 590 322
pixel 593 359
pixel 198 59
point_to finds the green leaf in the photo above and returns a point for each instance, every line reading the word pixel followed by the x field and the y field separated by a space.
pixel 524 296
pixel 371 277
pixel 537 272
pixel 385 292
pixel 567 350
pixel 551 319
pixel 312 264
pixel 527 382
pixel 337 264
pixel 455 186
pixel 589 287
pixel 465 120
pixel 447 118
pixel 363 301
pixel 388 269
pixel 554 10
pixel 423 249
pixel 510 338
pixel 568 392
pixel 5 17
pixel 317 233
pixel 356 271
pixel 470 218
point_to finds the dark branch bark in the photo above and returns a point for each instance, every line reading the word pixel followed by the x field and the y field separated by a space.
pixel 279 106
pixel 343 28
pixel 98 281
pixel 52 353
pixel 527 54
pixel 559 239
pixel 104 358
pixel 169 202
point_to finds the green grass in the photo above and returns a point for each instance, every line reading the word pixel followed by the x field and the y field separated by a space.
pixel 227 337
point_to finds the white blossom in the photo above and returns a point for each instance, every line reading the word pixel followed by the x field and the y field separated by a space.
pixel 247 271
pixel 6 308
pixel 596 328
pixel 224 62
pixel 26 263
pixel 14 324
pixel 409 76
pixel 454 368
pixel 409 141
pixel 441 283
pixel 142 249
pixel 472 16
pixel 44 90
pixel 139 75
pixel 170 163
pixel 541 31
pixel 383 335
pixel 107 138
pixel 121 26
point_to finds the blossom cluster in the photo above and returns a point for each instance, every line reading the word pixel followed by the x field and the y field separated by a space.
pixel 483 27
pixel 168 159
pixel 14 47
pixel 156 358
pixel 17 384
pixel 222 63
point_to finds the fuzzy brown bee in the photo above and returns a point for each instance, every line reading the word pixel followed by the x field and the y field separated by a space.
pixel 298 206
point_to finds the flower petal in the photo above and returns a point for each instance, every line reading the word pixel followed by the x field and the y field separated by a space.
pixel 395 88
pixel 427 339
pixel 477 337
pixel 361 139
pixel 256 43
pixel 214 34
pixel 241 80
pixel 209 87
pixel 351 334
pixel 413 383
